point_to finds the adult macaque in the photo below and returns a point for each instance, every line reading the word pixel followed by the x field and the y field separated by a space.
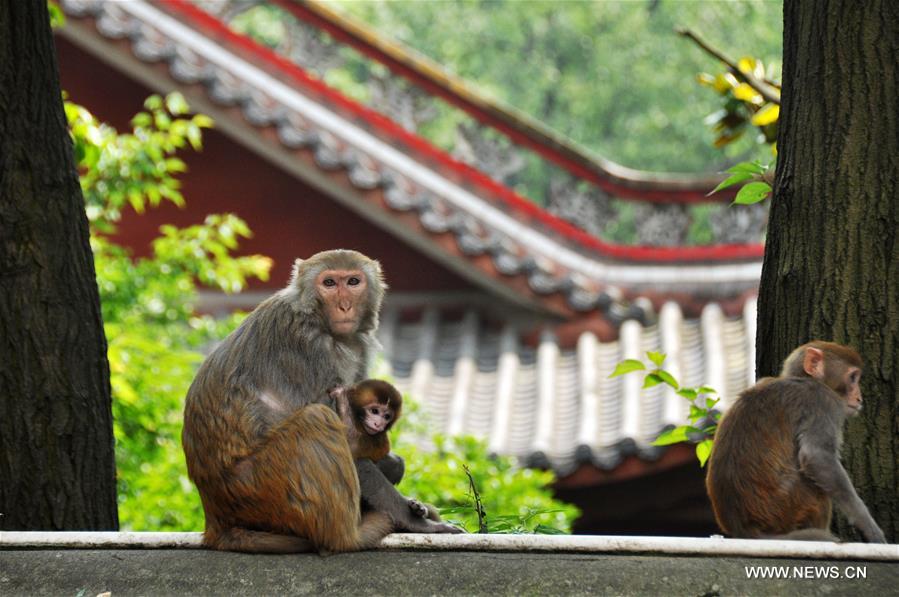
pixel 775 466
pixel 263 445
pixel 369 409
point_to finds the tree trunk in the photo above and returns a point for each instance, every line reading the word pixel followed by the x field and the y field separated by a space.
pixel 57 469
pixel 831 267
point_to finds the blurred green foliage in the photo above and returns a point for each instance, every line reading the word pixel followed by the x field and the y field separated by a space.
pixel 612 75
pixel 156 339
pixel 516 500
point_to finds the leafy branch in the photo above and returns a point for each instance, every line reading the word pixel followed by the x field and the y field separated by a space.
pixel 749 98
pixel 133 169
pixel 752 192
pixel 769 90
pixel 703 418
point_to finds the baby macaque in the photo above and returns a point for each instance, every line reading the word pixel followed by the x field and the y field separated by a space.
pixel 369 409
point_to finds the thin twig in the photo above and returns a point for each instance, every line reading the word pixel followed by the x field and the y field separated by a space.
pixel 763 87
pixel 479 508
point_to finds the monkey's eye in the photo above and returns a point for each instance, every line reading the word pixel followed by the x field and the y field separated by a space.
pixel 329 282
pixel 354 281
pixel 853 377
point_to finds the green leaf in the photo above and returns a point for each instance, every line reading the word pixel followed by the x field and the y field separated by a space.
pixel 176 104
pixel 711 402
pixel 141 120
pixel 175 165
pixel 667 378
pixel 542 529
pixel 651 380
pixel 656 357
pixel 154 102
pixel 752 193
pixel 457 509
pixel 57 16
pixel 203 121
pixel 195 137
pixel 672 436
pixel 688 393
pixel 703 451
pixel 748 167
pixel 741 173
pixel 628 366
pixel 731 181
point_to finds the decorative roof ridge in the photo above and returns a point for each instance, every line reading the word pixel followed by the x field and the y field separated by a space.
pixel 612 177
pixel 503 196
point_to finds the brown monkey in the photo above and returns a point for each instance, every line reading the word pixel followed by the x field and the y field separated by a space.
pixel 268 454
pixel 775 465
pixel 369 409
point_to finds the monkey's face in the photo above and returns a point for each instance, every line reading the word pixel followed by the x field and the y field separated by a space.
pixel 836 368
pixel 344 296
pixel 848 387
pixel 376 418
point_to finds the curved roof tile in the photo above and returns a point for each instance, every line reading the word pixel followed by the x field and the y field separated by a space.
pixel 557 407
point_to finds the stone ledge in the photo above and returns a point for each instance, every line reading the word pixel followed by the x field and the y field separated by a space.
pixel 595 544
pixel 30 568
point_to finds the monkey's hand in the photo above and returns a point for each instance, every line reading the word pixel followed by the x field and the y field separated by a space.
pixel 872 533
pixel 341 404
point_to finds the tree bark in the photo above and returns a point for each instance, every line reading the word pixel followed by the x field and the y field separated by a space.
pixel 831 268
pixel 57 469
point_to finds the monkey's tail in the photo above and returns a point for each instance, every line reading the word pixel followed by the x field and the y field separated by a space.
pixel 237 539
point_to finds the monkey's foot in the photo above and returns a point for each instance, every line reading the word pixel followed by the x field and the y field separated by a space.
pixel 418 508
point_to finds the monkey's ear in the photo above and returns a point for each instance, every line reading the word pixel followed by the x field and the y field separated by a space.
pixel 295 271
pixel 813 362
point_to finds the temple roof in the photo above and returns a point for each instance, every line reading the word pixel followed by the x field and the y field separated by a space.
pixel 556 406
